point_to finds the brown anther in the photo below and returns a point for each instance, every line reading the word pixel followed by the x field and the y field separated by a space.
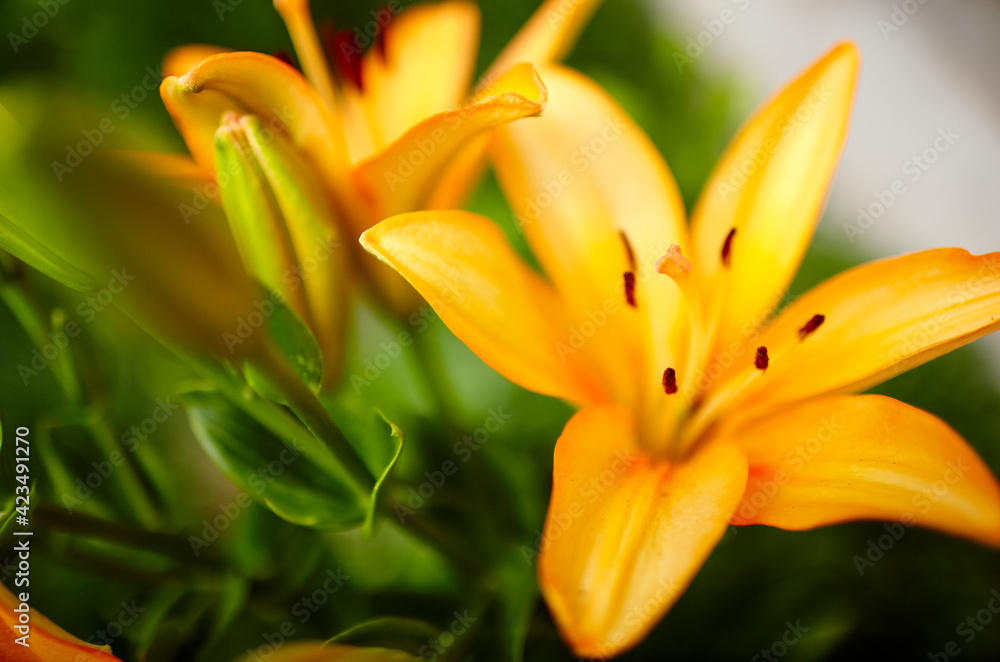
pixel 811 325
pixel 761 360
pixel 342 51
pixel 727 247
pixel 629 253
pixel 669 381
pixel 287 58
pixel 630 288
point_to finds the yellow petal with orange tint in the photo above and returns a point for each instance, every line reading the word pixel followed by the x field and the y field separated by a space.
pixel 625 533
pixel 770 187
pixel 580 178
pixel 463 266
pixel 847 458
pixel 401 177
pixel 429 57
pixel 47 642
pixel 255 84
pixel 548 35
pixel 185 58
pixel 879 319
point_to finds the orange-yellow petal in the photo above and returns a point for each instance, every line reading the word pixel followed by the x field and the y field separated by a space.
pixel 429 57
pixel 625 534
pixel 256 84
pixel 401 177
pixel 770 186
pixel 315 62
pixel 595 199
pixel 47 642
pixel 185 58
pixel 847 458
pixel 463 266
pixel 879 319
pixel 548 35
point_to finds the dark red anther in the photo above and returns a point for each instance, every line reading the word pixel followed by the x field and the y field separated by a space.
pixel 727 247
pixel 669 381
pixel 629 253
pixel 811 325
pixel 761 360
pixel 287 58
pixel 342 50
pixel 630 288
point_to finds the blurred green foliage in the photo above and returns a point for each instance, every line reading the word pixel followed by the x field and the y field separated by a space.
pixel 265 572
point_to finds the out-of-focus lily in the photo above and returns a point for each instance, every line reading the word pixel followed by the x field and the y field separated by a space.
pixel 701 405
pixel 383 132
pixel 27 636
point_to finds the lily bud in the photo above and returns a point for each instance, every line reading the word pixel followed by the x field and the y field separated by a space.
pixel 284 227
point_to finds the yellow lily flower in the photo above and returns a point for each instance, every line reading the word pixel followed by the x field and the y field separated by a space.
pixel 702 404
pixel 44 641
pixel 387 133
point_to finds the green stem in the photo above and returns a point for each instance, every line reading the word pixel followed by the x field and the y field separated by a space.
pixel 131 477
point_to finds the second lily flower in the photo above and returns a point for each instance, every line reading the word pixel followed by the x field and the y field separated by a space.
pixel 694 392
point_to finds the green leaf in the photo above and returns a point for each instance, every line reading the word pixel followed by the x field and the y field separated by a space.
pixel 296 342
pixel 275 472
pixel 368 530
pixel 404 634
pixel 23 246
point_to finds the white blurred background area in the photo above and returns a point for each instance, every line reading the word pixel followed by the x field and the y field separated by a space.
pixel 927 112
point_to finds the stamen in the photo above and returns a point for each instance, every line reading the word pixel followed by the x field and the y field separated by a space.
pixel 761 359
pixel 630 288
pixel 340 49
pixel 669 381
pixel 628 250
pixel 302 30
pixel 727 246
pixel 811 325
pixel 287 58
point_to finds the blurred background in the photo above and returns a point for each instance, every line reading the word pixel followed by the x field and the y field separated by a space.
pixel 928 67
